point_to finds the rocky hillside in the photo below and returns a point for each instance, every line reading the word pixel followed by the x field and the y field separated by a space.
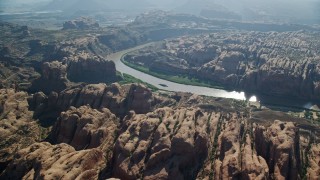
pixel 128 132
pixel 282 64
pixel 168 143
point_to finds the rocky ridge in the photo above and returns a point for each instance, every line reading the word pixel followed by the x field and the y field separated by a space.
pixel 179 143
pixel 119 99
pixel 85 128
pixel 187 141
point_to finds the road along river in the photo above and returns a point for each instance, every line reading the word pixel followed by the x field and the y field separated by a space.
pixel 171 86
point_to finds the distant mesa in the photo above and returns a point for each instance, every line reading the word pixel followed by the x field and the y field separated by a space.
pixel 81 23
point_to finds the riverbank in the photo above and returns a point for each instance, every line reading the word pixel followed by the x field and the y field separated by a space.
pixel 180 79
pixel 161 83
pixel 127 79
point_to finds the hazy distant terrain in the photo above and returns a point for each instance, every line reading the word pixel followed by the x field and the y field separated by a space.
pixel 284 11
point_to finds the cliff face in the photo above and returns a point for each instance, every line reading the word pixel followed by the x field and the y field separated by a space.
pixel 91 69
pixel 53 78
pixel 119 99
pixel 56 76
pixel 280 147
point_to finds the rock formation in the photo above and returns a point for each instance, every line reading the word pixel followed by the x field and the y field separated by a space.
pixel 119 99
pixel 46 161
pixel 233 159
pixel 91 69
pixel 232 152
pixel 186 144
pixel 17 127
pixel 53 78
pixel 280 147
pixel 189 143
pixel 86 128
pixel 140 99
pixel 100 131
pixel 313 171
pixel 164 144
pixel 167 143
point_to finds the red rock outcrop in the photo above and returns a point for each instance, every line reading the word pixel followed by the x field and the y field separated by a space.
pixel 232 153
pixel 233 158
pixel 140 99
pixel 118 99
pixel 86 128
pixel 279 145
pixel 164 144
pixel 53 78
pixel 17 128
pixel 187 144
pixel 84 67
pixel 46 161
pixel 114 97
pixel 179 143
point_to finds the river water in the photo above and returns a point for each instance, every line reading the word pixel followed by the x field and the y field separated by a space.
pixel 171 86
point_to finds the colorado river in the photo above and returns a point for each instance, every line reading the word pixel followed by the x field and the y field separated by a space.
pixel 171 86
